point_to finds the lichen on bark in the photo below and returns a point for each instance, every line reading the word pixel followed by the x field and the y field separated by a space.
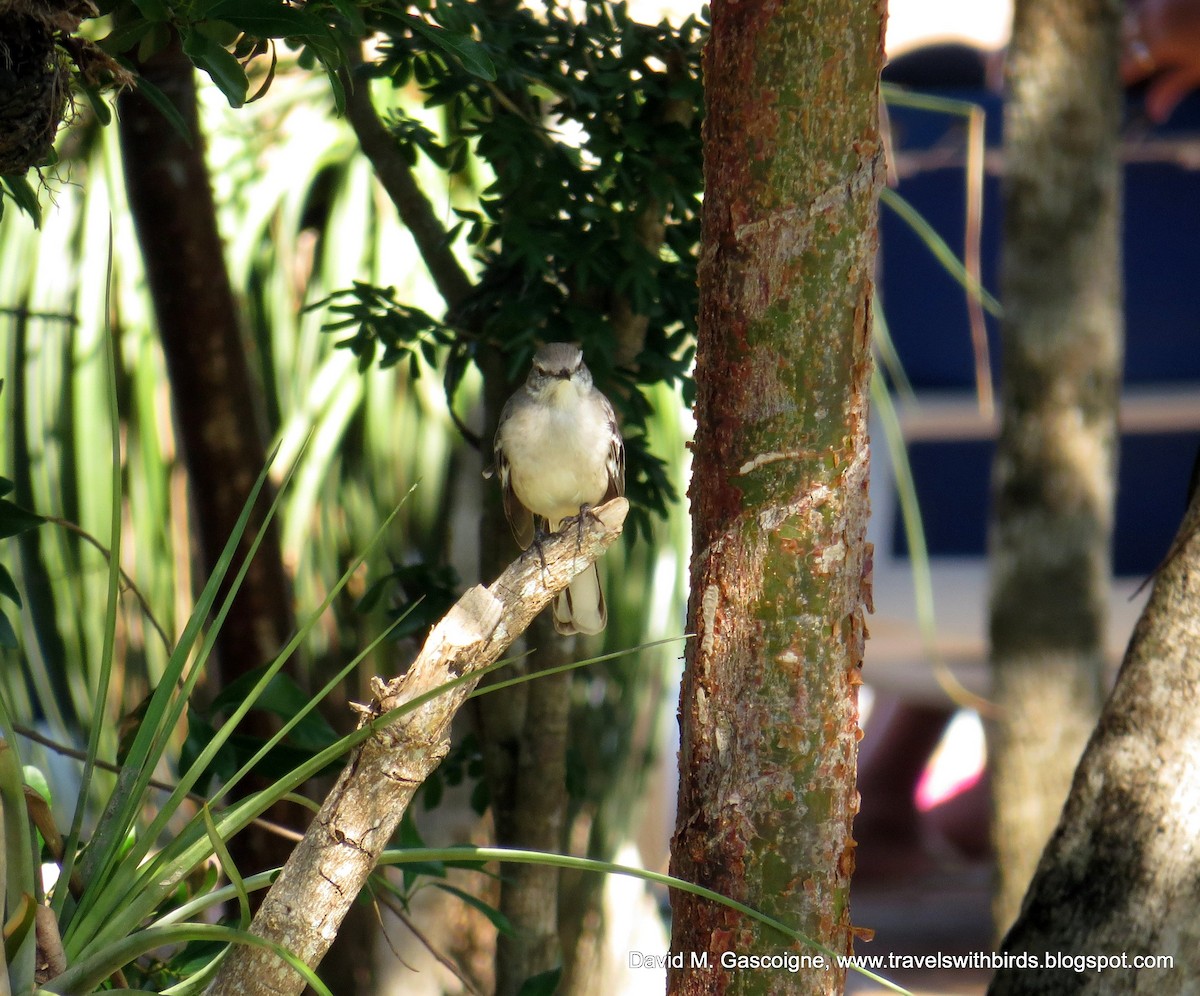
pixel 769 704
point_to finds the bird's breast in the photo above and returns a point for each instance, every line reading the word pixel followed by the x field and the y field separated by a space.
pixel 557 456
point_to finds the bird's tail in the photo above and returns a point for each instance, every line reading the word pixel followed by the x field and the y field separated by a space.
pixel 580 608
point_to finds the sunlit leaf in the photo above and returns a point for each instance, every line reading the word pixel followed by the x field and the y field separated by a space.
pixel 224 70
pixel 465 49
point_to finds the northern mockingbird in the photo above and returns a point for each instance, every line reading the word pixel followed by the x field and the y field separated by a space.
pixel 559 452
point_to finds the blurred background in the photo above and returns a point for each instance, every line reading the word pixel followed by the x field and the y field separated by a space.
pixel 303 218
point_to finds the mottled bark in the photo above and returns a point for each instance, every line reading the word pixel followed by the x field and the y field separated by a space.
pixel 780 564
pixel 212 391
pixel 525 736
pixel 1121 875
pixel 1054 467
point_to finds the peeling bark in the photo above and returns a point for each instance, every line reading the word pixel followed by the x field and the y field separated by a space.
pixel 780 564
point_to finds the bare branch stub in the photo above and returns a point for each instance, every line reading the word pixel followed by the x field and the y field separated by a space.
pixel 306 905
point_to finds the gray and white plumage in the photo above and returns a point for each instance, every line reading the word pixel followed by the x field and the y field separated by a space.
pixel 558 450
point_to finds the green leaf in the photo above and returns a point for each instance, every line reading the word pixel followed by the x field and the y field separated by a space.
pixel 21 191
pixel 542 984
pixel 464 48
pixel 153 10
pixel 283 697
pixel 264 18
pixel 498 919
pixel 352 16
pixel 226 72
pixel 8 635
pixel 14 519
pixel 8 587
pixel 99 105
pixel 222 32
pixel 165 107
pixel 126 36
pixel 36 779
pixel 339 91
pixel 431 869
pixel 154 41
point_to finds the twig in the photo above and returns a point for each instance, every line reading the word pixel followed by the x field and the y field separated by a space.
pixel 154 783
pixel 87 537
pixel 445 961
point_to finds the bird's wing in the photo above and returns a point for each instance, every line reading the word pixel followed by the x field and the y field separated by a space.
pixel 519 517
pixel 616 456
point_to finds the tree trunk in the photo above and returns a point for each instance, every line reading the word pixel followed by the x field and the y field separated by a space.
pixel 1054 469
pixel 212 391
pixel 1121 875
pixel 781 567
pixel 525 739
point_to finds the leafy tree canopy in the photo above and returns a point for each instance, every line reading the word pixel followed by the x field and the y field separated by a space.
pixel 572 135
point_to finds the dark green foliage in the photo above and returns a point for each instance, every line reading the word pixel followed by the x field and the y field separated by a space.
pixel 13 520
pixel 378 321
pixel 585 131
pixel 542 984
pixel 589 128
pixel 420 595
pixel 463 763
pixel 222 36
pixel 281 697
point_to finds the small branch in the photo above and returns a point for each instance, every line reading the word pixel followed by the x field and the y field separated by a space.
pixel 320 881
pixel 87 537
pixel 415 210
pixel 80 755
pixel 388 900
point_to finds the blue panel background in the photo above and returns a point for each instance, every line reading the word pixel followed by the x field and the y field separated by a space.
pixel 927 315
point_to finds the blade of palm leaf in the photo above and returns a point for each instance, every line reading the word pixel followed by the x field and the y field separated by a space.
pixel 155 878
pixel 470 855
pixel 940 249
pixel 163 712
pixel 100 700
pixel 85 975
pixel 885 350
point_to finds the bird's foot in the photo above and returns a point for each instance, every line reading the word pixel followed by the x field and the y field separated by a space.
pixel 539 536
pixel 578 521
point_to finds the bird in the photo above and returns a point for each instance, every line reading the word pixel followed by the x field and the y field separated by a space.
pixel 558 452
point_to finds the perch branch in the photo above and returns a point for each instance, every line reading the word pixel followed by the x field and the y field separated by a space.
pixel 328 868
